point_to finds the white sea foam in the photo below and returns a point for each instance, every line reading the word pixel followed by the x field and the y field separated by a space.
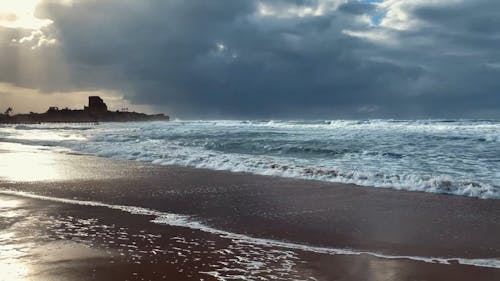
pixel 189 222
pixel 459 157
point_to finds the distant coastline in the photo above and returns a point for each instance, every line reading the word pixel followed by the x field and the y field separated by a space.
pixel 96 111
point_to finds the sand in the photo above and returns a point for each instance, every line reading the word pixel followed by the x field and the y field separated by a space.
pixel 51 240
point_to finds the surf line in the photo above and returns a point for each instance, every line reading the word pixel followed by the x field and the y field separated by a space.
pixel 188 222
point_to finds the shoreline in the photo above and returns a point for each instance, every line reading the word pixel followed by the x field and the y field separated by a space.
pixel 262 205
pixel 182 221
pixel 70 242
pixel 249 174
pixel 281 214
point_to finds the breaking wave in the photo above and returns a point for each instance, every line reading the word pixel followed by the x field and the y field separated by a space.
pixel 460 157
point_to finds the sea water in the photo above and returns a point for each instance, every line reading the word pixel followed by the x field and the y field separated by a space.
pixel 459 157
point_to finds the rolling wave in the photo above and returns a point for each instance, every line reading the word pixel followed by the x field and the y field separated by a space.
pixel 460 157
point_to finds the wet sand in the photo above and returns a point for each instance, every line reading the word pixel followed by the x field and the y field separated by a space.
pixel 49 240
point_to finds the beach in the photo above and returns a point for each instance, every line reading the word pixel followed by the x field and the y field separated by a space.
pixel 311 140
pixel 127 220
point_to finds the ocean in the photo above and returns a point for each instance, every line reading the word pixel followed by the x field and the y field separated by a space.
pixel 457 157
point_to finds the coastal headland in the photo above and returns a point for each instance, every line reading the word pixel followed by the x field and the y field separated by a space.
pixel 96 111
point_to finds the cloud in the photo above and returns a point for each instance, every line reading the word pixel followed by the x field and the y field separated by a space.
pixel 291 9
pixel 270 59
pixel 20 14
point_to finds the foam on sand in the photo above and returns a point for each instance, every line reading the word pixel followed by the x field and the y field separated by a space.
pixel 189 222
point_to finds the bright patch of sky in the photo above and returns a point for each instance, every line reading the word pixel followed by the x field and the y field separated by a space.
pixel 21 14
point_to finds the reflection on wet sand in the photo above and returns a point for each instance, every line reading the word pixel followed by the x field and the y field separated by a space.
pixel 43 239
pixel 23 166
pixel 23 163
pixel 11 264
pixel 28 251
pixel 12 246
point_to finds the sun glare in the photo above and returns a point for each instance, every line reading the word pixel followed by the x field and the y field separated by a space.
pixel 11 251
pixel 28 165
pixel 21 14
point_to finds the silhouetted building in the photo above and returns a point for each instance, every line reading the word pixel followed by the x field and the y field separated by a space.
pixel 96 111
pixel 96 106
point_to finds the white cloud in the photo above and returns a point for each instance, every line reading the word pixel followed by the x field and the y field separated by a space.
pixel 318 8
pixel 20 14
pixel 398 16
pixel 398 13
pixel 37 39
pixel 220 47
pixel 378 36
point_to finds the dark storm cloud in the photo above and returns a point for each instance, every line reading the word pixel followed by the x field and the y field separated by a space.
pixel 357 7
pixel 457 45
pixel 223 59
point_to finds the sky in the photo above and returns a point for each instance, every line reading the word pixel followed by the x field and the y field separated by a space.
pixel 255 59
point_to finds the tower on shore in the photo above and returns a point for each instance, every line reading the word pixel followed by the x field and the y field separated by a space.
pixel 96 106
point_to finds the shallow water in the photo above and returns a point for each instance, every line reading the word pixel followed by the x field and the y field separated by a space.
pixel 460 157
